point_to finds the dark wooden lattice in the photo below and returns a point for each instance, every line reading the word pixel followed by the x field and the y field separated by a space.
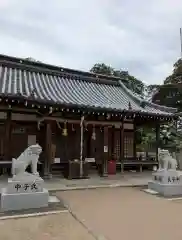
pixel 117 145
pixel 128 145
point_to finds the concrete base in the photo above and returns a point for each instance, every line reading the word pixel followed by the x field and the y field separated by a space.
pixel 167 190
pixel 19 201
pixel 167 183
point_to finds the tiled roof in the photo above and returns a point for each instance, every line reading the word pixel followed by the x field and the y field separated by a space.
pixel 59 86
pixel 148 106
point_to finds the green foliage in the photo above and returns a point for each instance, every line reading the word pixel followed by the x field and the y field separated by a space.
pixel 102 68
pixel 176 76
pixel 170 93
pixel 178 66
pixel 130 81
pixel 145 136
pixel 171 136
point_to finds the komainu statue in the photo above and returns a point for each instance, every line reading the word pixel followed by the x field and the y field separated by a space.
pixel 166 161
pixel 29 157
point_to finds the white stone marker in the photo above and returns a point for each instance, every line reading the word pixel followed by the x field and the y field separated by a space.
pixel 25 190
pixel 166 181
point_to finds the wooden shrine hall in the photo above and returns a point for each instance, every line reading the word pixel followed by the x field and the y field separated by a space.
pixel 76 117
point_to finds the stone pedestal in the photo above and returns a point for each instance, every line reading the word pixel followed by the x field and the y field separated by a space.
pixel 167 183
pixel 179 158
pixel 24 192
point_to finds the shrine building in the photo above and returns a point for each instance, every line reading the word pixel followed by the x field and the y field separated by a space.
pixel 75 116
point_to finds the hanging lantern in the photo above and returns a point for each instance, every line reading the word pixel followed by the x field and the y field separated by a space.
pixel 65 130
pixel 93 133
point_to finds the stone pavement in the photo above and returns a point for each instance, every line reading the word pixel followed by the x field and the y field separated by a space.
pixel 128 179
pixel 118 180
pixel 52 227
pixel 125 213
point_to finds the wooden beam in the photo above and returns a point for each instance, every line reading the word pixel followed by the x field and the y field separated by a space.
pixel 7 142
pixel 122 147
pixel 134 141
pixel 48 150
pixel 106 155
pixel 81 146
pixel 157 139
pixel 112 141
pixel 58 120
pixel 106 123
pixel 17 109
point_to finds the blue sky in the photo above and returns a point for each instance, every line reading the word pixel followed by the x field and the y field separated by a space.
pixel 139 36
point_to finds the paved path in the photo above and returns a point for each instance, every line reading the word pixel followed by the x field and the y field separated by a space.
pixel 123 180
pixel 52 227
pixel 126 213
pixel 127 179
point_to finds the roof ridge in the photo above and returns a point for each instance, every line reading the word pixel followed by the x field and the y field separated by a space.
pixel 57 69
pixel 145 102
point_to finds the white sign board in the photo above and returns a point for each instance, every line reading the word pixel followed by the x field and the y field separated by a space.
pixel 91 160
pixel 105 149
pixel 56 160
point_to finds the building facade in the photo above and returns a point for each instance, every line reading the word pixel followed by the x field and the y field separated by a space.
pixel 72 115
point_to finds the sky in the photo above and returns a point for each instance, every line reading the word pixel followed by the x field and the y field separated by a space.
pixel 141 36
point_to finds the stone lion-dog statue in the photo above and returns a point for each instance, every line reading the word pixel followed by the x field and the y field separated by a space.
pixel 29 157
pixel 166 161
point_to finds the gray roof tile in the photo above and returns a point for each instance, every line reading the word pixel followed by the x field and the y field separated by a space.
pixel 62 89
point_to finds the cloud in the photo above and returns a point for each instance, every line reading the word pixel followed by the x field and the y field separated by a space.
pixel 139 36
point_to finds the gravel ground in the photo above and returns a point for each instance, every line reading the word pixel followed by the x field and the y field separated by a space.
pixel 126 213
pixel 52 227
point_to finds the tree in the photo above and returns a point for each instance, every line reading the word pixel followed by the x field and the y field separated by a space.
pixel 178 66
pixel 176 76
pixel 130 81
pixel 170 93
pixel 102 68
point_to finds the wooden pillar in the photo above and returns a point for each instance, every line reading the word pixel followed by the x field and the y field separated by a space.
pixel 112 142
pixel 106 155
pixel 81 146
pixel 7 142
pixel 48 150
pixel 134 141
pixel 122 146
pixel 157 139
